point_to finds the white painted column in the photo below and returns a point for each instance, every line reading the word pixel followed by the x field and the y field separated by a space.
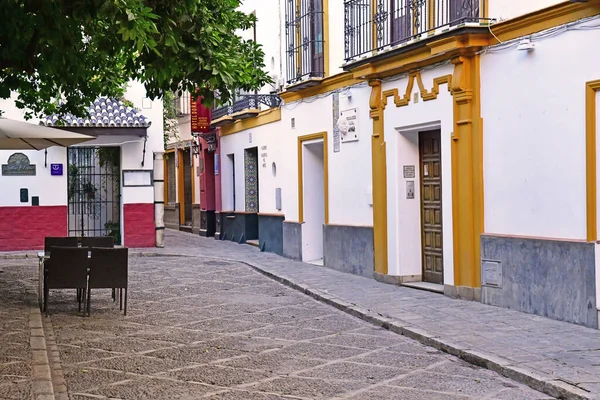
pixel 159 198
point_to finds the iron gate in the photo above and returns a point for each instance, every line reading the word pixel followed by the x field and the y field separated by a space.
pixel 94 191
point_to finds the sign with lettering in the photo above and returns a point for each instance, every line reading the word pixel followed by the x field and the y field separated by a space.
pixel 200 116
pixel 18 165
pixel 56 169
pixel 408 171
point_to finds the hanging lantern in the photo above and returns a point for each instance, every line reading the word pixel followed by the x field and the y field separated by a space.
pixel 200 117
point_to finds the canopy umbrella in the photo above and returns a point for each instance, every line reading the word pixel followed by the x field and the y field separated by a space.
pixel 20 135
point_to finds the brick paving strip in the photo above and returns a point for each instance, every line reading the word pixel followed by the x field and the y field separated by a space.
pixel 24 365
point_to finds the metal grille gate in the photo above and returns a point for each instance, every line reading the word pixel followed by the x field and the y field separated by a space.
pixel 94 191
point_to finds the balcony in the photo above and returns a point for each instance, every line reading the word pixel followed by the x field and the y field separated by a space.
pixel 244 106
pixel 374 25
pixel 304 43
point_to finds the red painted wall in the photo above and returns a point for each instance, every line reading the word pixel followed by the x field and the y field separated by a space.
pixel 24 228
pixel 207 181
pixel 139 228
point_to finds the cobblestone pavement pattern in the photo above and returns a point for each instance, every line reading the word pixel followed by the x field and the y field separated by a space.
pixel 16 375
pixel 202 328
pixel 540 349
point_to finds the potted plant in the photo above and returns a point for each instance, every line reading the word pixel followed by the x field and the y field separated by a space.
pixel 90 190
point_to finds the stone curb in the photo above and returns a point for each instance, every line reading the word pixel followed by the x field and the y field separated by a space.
pixel 535 380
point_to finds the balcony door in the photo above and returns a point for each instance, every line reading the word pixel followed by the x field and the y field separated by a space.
pixel 463 11
pixel 400 21
pixel 316 38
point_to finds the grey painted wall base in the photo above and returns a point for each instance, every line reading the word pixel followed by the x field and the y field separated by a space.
pixel 218 225
pixel 552 278
pixel 239 227
pixel 270 233
pixel 172 216
pixel 292 240
pixel 348 249
pixel 207 223
pixel 195 219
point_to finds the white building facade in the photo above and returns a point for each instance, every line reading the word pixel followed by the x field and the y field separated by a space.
pixel 448 145
pixel 101 187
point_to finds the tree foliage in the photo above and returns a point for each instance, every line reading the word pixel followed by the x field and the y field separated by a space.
pixel 78 50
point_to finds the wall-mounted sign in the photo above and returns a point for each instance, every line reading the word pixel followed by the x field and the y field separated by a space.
pixel 56 169
pixel 409 171
pixel 348 125
pixel 264 155
pixel 216 163
pixel 137 177
pixel 18 165
pixel 200 116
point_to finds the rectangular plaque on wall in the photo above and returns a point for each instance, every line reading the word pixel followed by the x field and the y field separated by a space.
pixel 409 171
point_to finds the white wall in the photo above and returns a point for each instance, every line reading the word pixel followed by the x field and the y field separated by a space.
pixel 132 152
pixel 52 190
pixel 533 106
pixel 400 127
pixel 266 135
pixel 506 9
pixel 349 169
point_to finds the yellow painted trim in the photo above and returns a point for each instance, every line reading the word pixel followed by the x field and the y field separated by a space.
pixel 180 183
pixel 264 118
pixel 166 182
pixel 431 14
pixel 590 154
pixel 467 171
pixel 325 38
pixel 301 140
pixel 327 85
pixel 379 178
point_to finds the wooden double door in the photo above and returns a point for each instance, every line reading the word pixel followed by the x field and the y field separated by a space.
pixel 430 160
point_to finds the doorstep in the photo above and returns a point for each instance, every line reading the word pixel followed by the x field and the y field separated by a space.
pixel 430 287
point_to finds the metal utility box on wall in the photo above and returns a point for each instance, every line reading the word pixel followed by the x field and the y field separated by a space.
pixel 278 198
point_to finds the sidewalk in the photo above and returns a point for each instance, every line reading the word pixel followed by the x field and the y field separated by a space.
pixel 557 358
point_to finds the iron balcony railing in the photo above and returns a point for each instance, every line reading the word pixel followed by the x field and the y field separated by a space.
pixel 246 102
pixel 304 40
pixel 372 25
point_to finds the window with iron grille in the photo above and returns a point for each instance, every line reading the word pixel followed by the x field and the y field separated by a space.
pixel 305 42
pixel 374 24
pixel 171 180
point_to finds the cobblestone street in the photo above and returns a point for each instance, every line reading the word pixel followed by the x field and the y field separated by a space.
pixel 202 328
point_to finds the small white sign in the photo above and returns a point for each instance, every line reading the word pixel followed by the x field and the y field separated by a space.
pixel 348 125
pixel 137 177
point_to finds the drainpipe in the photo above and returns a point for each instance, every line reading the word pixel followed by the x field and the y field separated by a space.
pixel 159 198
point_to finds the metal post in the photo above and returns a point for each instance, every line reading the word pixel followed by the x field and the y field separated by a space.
pixel 159 198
